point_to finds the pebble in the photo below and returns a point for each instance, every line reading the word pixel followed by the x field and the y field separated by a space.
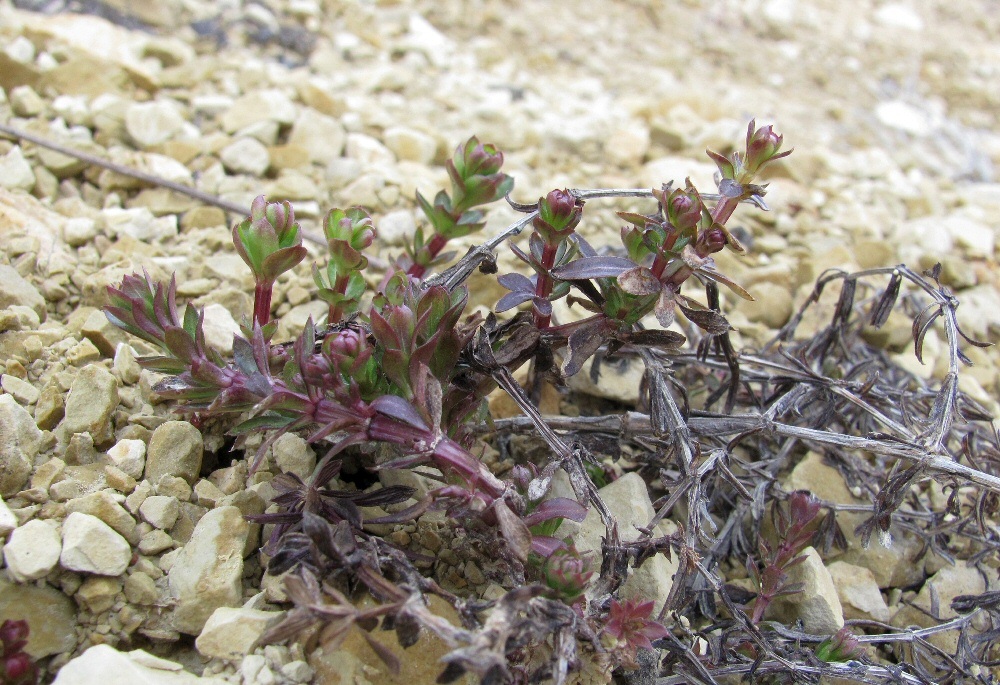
pixel 92 400
pixel 104 665
pixel 246 156
pixel 160 511
pixel 256 107
pixel 15 290
pixel 97 593
pixel 15 172
pixel 32 550
pixel 152 123
pixel 320 135
pixel 22 391
pixel 410 145
pixel 858 592
pixel 175 449
pixel 8 521
pixel 207 572
pixel 20 441
pixel 293 454
pixel 219 328
pixel 89 545
pixel 230 633
pixel 25 102
pixel 130 456
pixel 106 506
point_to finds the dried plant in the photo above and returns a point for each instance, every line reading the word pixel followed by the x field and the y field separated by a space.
pixel 405 368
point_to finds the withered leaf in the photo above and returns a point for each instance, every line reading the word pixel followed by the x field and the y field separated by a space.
pixel 639 281
pixel 514 531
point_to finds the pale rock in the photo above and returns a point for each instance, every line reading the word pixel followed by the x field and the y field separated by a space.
pixel 20 441
pixel 207 572
pixel 99 330
pixel 73 109
pixel 979 312
pixel 261 105
pixel 160 511
pixel 298 671
pixel 20 49
pixel 25 102
pixel 108 508
pixel 899 15
pixel 343 170
pixel 15 172
pixel 154 542
pixel 140 589
pixel 130 456
pixel 207 494
pixel 410 145
pixel 51 615
pixel 818 604
pixel 89 545
pixel 174 486
pixel 15 290
pixel 368 150
pixel 211 104
pixel 942 588
pixel 772 305
pixel 91 402
pixel 320 135
pixel 292 184
pixel 858 591
pixel 79 231
pixel 424 37
pixel 104 665
pixel 138 223
pixel 396 228
pixel 230 633
pixel 618 379
pixel 152 123
pixel 219 328
pixel 978 239
pixel 22 391
pixel 628 144
pixel 246 156
pixel 8 521
pixel 32 551
pixel 674 168
pixel 892 566
pixel 628 500
pixel 904 117
pixel 176 448
pixel 293 454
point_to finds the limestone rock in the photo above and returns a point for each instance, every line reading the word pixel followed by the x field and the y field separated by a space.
pixel 618 379
pixel 230 633
pixel 8 521
pixel 772 305
pixel 262 105
pixel 15 172
pixel 51 615
pixel 293 454
pixel 409 144
pixel 246 156
pixel 106 507
pixel 220 327
pixel 22 391
pixel 32 550
pixel 628 500
pixel 16 290
pixel 92 400
pixel 321 135
pixel 138 223
pixel 104 665
pixel 92 546
pixel 151 123
pixel 130 456
pixel 159 511
pixel 818 604
pixel 859 594
pixel 943 587
pixel 175 449
pixel 208 571
pixel 20 440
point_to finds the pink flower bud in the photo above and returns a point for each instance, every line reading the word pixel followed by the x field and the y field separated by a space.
pixel 762 147
pixel 710 242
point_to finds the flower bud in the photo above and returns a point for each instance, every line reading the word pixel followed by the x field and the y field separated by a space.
pixel 558 215
pixel 477 159
pixel 13 633
pixel 346 343
pixel 268 240
pixel 18 669
pixel 684 209
pixel 710 242
pixel 762 147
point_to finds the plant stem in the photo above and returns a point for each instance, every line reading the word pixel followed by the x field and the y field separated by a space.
pixel 543 287
pixel 262 302
pixel 433 248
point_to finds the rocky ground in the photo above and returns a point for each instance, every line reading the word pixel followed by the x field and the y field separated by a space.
pixel 114 525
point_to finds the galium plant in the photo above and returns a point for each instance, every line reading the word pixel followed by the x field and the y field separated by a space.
pixel 398 377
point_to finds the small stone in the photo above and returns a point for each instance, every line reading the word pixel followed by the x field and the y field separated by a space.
pixel 51 616
pixel 92 546
pixel 140 589
pixel 97 593
pixel 32 551
pixel 125 364
pixel 858 592
pixel 772 305
pixel 105 506
pixel 118 479
pixel 219 328
pixel 15 290
pixel 79 231
pixel 818 604
pixel 25 102
pixel 397 228
pixel 207 573
pixel 92 401
pixel 230 633
pixel 367 150
pixel 22 391
pixel 155 542
pixel 298 671
pixel 8 521
pixel 159 511
pixel 246 156
pixel 293 455
pixel 15 172
pixel 104 665
pixel 138 223
pixel 904 117
pixel 174 486
pixel 99 330
pixel 262 105
pixel 628 144
pixel 410 145
pixel 203 217
pixel 899 15
pixel 152 123
pixel 207 494
pixel 618 378
pixel 130 456
pixel 978 239
pixel 20 441
pixel 83 353
pixel 176 448
pixel 320 135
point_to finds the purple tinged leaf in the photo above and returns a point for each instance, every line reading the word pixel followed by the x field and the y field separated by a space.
pixel 516 282
pixel 557 507
pixel 639 281
pixel 593 267
pixel 582 345
pixel 511 300
pixel 542 306
pixel 397 408
pixel 545 545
